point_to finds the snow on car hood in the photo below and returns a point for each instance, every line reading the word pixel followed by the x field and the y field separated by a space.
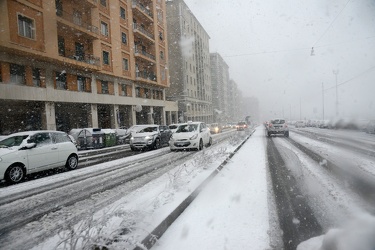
pixel 185 135
pixel 5 151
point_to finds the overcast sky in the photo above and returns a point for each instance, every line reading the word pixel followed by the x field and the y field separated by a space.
pixel 267 45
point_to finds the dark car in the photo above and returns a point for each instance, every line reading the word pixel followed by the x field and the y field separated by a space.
pixel 241 126
pixel 150 137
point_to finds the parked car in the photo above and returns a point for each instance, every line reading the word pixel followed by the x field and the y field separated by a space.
pixel 242 125
pixel 300 124
pixel 278 126
pixel 215 128
pixel 173 127
pixel 191 135
pixel 150 137
pixel 370 127
pixel 33 151
pixel 133 129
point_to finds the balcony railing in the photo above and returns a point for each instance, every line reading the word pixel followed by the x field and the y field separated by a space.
pixel 86 58
pixel 77 21
pixel 146 75
pixel 143 30
pixel 143 8
pixel 143 52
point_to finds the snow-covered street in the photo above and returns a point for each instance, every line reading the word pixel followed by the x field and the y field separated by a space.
pixel 245 192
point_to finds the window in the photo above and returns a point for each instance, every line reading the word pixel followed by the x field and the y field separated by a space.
pixel 105 57
pixel 17 74
pixel 104 28
pixel 77 17
pixel 161 35
pixel 59 7
pixel 81 83
pixel 138 92
pixel 103 2
pixel 124 38
pixel 61 45
pixel 122 13
pixel 125 64
pixel 162 55
pixel 61 80
pixel 36 77
pixel 105 89
pixel 123 90
pixel 25 27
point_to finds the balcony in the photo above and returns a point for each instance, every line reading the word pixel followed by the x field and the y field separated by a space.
pixel 81 57
pixel 146 75
pixel 143 31
pixel 69 20
pixel 143 9
pixel 138 51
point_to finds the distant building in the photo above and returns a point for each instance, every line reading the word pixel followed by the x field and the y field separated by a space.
pixel 66 64
pixel 189 64
pixel 220 88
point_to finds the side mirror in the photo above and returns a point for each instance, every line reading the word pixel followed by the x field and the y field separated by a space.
pixel 29 145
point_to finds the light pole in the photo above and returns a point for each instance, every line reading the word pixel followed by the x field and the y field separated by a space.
pixel 323 98
pixel 336 72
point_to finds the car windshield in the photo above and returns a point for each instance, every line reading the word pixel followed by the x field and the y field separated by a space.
pixel 187 128
pixel 12 141
pixel 148 130
pixel 173 126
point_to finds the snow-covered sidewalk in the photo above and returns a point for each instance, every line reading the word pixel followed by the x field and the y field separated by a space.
pixel 232 211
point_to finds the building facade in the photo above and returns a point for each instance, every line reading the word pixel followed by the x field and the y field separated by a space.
pixel 220 88
pixel 190 80
pixel 83 63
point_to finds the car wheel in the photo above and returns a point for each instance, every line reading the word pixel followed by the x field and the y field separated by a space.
pixel 157 143
pixel 133 148
pixel 72 162
pixel 209 142
pixel 286 134
pixel 200 147
pixel 15 174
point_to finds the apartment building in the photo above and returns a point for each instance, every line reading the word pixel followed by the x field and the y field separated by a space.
pixel 83 63
pixel 220 88
pixel 190 80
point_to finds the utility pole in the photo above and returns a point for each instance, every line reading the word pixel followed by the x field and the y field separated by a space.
pixel 323 98
pixel 336 72
pixel 300 109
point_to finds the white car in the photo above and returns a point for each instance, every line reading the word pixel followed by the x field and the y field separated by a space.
pixel 33 151
pixel 191 135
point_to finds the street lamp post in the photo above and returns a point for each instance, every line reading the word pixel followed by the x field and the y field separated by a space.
pixel 336 72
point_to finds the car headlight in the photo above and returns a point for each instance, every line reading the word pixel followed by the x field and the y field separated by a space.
pixel 149 137
pixel 194 137
pixel 132 138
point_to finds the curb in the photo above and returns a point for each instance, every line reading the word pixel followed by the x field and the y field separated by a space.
pixel 156 234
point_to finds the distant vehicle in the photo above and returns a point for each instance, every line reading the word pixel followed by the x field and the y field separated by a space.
pixel 278 126
pixel 173 127
pixel 191 135
pixel 215 128
pixel 33 151
pixel 242 125
pixel 370 127
pixel 300 124
pixel 150 137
